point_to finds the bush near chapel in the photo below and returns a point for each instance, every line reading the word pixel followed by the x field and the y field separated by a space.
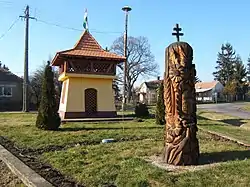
pixel 141 110
pixel 160 106
pixel 48 117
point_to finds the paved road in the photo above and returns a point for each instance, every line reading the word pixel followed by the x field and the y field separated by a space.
pixel 232 109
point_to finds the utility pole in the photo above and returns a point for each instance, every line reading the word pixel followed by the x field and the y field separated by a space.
pixel 126 9
pixel 26 60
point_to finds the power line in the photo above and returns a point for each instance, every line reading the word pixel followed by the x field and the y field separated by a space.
pixel 74 29
pixel 57 25
pixel 7 2
pixel 60 26
pixel 12 25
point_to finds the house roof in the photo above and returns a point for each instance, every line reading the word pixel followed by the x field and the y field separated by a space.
pixel 7 76
pixel 206 85
pixel 87 47
pixel 202 90
pixel 153 84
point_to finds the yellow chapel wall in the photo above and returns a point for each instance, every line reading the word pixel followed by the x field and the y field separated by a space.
pixel 76 93
pixel 64 95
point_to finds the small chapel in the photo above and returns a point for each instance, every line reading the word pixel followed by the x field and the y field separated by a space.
pixel 87 72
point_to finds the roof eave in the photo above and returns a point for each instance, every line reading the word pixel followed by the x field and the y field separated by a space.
pixel 55 59
pixel 95 57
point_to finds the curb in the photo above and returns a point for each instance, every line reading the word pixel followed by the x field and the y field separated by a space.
pixel 225 137
pixel 28 176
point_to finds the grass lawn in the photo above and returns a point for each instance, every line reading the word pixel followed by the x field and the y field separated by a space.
pixel 21 129
pixel 123 163
pixel 226 125
pixel 246 106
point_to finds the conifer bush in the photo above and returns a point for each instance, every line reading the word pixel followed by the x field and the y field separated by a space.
pixel 48 117
pixel 141 110
pixel 160 106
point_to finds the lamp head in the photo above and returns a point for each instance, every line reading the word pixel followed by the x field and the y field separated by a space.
pixel 126 8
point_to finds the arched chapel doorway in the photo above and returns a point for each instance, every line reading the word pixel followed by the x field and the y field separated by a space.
pixel 90 101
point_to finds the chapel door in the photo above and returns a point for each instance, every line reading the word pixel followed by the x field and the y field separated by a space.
pixel 90 101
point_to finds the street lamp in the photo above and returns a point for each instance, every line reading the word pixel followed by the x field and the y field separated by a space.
pixel 126 9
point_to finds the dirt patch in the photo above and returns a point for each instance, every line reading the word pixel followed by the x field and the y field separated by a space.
pixel 31 158
pixel 7 178
pixel 215 159
pixel 157 161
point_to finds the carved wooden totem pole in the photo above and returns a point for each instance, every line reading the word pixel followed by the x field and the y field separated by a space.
pixel 181 143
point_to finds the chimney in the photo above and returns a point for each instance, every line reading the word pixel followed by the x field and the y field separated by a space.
pixel 158 78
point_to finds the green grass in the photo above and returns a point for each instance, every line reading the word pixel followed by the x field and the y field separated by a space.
pixel 123 164
pixel 226 125
pixel 130 113
pixel 21 129
pixel 246 106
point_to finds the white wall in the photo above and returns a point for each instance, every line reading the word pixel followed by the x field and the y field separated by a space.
pixel 209 96
pixel 149 96
pixel 218 87
pixel 143 88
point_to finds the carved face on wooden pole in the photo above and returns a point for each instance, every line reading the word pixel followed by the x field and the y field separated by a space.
pixel 181 144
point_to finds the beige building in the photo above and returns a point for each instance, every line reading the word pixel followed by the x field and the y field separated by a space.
pixel 87 72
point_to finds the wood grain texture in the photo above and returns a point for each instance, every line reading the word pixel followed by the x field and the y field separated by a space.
pixel 181 143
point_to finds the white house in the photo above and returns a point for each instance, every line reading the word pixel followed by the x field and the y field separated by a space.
pixel 209 91
pixel 205 91
pixel 148 91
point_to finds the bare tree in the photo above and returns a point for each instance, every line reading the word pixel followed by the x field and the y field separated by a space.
pixel 36 85
pixel 141 61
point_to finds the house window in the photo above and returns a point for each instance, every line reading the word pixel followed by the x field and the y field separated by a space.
pixel 5 91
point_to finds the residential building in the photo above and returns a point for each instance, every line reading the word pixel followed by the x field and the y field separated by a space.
pixel 205 91
pixel 148 91
pixel 10 90
pixel 209 91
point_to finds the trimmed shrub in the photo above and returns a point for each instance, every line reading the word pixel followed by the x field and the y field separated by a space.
pixel 160 106
pixel 48 117
pixel 141 110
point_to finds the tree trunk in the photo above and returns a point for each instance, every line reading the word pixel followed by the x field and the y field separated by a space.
pixel 181 143
pixel 129 94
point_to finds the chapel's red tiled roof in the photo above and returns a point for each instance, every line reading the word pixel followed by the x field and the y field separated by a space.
pixel 87 47
pixel 87 42
pixel 92 53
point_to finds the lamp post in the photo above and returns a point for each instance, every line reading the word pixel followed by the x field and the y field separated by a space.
pixel 126 9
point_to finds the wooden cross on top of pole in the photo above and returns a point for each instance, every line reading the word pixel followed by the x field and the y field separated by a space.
pixel 178 33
